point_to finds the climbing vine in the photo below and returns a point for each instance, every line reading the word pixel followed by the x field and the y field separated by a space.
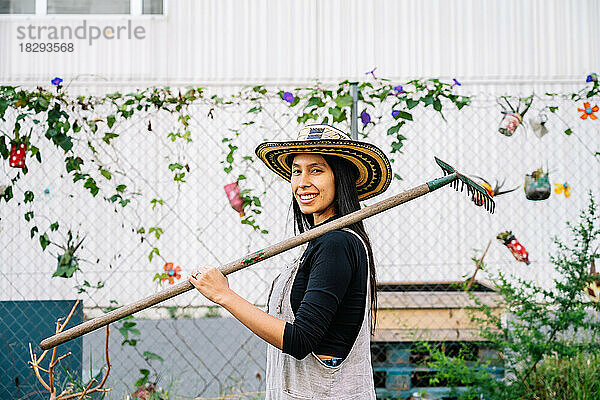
pixel 77 126
pixel 80 125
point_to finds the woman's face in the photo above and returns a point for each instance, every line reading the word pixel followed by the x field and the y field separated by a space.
pixel 313 186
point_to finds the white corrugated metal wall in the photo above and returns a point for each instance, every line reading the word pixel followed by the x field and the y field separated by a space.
pixel 227 42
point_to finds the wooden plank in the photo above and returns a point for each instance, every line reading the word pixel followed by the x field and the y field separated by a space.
pixel 436 318
pixel 433 335
pixel 434 300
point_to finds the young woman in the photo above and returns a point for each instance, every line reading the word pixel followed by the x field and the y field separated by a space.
pixel 319 310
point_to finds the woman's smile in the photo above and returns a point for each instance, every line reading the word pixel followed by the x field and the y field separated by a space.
pixel 313 185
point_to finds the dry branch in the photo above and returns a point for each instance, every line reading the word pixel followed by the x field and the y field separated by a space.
pixel 54 360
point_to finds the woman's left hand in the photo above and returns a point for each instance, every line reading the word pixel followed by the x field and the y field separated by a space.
pixel 211 283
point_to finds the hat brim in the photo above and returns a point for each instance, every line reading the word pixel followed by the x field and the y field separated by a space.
pixel 375 171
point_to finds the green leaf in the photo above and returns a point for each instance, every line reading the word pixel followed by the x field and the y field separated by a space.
pixel 108 136
pixel 64 142
pixel 105 173
pixel 175 166
pixel 29 196
pixel 552 108
pixel 120 188
pixel 344 101
pixel 154 202
pixel 255 109
pixel 394 129
pixel 157 232
pixel 152 252
pixel 3 148
pixel 337 114
pixel 44 241
pixel 28 216
pixel 8 194
pixel 396 146
pixel 428 99
pixel 315 101
pixel 437 105
pixel 568 131
pixel 410 103
pixel 54 226
pixel 90 184
pixel 73 163
pixel 148 355
pixel 405 115
pixel 398 177
pixel 33 231
pixel 144 379
pixel 110 120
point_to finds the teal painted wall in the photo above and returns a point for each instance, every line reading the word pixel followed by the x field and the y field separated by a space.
pixel 24 322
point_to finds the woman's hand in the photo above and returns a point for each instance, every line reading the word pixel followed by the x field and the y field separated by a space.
pixel 211 283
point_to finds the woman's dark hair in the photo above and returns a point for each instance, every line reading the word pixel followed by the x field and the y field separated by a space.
pixel 345 202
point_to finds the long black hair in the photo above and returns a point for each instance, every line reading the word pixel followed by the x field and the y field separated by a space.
pixel 345 202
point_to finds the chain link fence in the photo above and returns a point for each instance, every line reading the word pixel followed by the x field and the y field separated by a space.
pixel 192 348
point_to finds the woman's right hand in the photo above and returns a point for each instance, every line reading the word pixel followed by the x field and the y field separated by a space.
pixel 211 283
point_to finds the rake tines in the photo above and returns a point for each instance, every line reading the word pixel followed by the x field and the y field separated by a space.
pixel 476 191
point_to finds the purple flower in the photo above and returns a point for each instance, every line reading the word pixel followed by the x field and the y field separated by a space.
pixel 395 113
pixel 287 96
pixel 456 83
pixel 398 89
pixel 56 81
pixel 365 117
pixel 372 72
pixel 593 77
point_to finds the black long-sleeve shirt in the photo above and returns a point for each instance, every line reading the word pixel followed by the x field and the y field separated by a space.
pixel 328 297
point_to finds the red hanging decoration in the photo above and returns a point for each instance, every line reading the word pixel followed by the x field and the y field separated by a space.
pixel 17 155
pixel 235 199
pixel 515 247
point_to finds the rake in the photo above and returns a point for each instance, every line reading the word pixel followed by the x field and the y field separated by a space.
pixel 451 177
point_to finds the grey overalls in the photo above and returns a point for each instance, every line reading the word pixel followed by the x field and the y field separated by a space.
pixel 310 378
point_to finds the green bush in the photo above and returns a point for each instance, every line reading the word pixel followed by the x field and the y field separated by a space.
pixel 547 338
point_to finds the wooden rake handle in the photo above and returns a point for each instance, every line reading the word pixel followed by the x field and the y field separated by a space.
pixel 248 260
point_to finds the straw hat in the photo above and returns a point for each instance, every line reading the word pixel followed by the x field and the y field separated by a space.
pixel 375 171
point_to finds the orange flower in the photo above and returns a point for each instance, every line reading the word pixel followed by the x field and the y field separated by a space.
pixel 172 273
pixel 588 111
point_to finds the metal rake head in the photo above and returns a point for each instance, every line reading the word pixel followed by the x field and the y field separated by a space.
pixel 476 191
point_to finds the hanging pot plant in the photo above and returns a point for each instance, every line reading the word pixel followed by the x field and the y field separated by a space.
pixel 538 124
pixel 516 248
pixel 67 263
pixel 537 185
pixel 235 199
pixel 18 148
pixel 18 151
pixel 512 116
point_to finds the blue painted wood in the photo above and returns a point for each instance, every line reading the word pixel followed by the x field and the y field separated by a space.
pixel 397 372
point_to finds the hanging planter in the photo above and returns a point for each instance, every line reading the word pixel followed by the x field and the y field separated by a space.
pixel 538 125
pixel 235 199
pixel 516 248
pixel 537 185
pixel 512 117
pixel 18 150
